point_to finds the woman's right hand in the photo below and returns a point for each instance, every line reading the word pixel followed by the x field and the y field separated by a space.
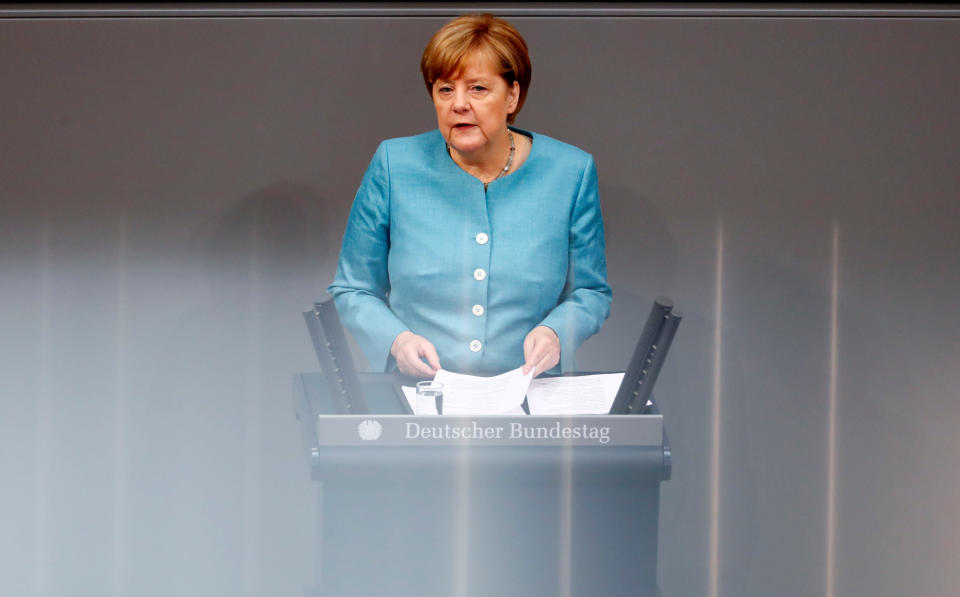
pixel 408 348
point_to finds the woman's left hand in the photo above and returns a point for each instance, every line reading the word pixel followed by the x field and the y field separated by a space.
pixel 541 350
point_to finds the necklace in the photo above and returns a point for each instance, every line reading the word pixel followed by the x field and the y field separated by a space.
pixel 506 167
pixel 513 150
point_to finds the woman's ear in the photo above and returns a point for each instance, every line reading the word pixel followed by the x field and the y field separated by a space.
pixel 513 98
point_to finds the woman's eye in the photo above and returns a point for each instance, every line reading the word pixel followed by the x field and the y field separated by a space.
pixel 478 88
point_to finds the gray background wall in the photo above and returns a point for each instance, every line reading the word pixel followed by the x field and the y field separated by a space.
pixel 173 192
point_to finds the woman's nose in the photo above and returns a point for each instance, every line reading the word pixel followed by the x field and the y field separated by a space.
pixel 461 101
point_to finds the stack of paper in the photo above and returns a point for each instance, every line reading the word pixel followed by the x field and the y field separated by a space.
pixel 503 394
pixel 580 395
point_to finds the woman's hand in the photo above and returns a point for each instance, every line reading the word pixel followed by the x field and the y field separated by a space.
pixel 408 348
pixel 541 350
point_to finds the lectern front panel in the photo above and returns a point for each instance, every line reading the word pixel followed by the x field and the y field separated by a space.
pixel 483 506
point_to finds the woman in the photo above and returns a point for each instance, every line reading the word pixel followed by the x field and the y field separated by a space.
pixel 478 246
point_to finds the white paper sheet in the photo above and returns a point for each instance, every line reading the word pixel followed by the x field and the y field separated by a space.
pixel 473 395
pixel 580 395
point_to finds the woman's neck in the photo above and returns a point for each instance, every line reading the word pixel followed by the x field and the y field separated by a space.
pixel 488 164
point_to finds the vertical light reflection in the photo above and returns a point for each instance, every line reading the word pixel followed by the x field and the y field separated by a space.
pixel 461 526
pixel 252 436
pixel 41 452
pixel 120 414
pixel 564 581
pixel 714 533
pixel 832 412
pixel 566 522
pixel 319 543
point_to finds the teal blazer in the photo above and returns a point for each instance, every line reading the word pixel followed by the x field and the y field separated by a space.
pixel 427 249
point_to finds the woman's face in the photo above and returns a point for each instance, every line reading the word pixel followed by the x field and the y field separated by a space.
pixel 472 108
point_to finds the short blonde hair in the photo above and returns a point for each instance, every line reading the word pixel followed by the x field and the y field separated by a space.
pixel 460 38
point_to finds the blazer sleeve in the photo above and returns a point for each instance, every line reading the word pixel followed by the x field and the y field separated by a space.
pixel 361 286
pixel 585 301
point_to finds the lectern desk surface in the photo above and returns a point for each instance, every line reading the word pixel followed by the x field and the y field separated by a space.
pixel 512 447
